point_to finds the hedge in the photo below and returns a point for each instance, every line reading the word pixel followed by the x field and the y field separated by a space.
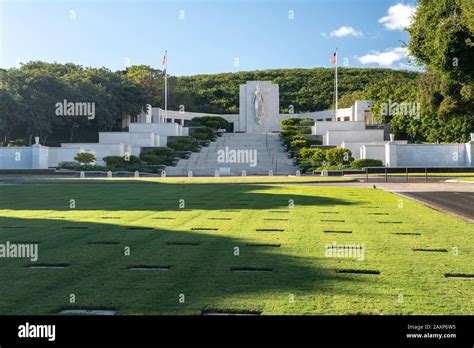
pixel 367 162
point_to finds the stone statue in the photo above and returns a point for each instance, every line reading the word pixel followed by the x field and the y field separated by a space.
pixel 258 102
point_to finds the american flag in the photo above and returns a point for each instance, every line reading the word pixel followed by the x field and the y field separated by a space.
pixel 165 61
pixel 333 58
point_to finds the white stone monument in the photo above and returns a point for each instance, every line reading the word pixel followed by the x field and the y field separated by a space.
pixel 259 107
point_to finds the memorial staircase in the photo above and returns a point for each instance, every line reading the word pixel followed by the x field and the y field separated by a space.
pixel 270 156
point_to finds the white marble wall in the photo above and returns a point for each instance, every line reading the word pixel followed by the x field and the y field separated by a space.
pixel 429 155
pixel 167 129
pixel 337 137
pixel 373 151
pixel 322 127
pixel 68 151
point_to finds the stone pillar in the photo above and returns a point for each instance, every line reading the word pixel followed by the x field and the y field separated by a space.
pixel 148 114
pixel 470 151
pixel 391 155
pixel 39 157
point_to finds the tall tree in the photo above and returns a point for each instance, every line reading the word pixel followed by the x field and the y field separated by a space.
pixel 442 40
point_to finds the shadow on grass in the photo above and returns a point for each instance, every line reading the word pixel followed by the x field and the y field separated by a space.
pixel 153 196
pixel 199 267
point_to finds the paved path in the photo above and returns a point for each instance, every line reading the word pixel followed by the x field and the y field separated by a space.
pixel 452 198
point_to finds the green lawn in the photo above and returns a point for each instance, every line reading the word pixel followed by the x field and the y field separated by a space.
pixel 225 179
pixel 197 244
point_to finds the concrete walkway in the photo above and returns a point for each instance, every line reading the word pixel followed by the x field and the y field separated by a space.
pixel 452 198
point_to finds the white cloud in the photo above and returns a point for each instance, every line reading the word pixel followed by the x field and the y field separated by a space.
pixel 346 31
pixel 386 58
pixel 399 17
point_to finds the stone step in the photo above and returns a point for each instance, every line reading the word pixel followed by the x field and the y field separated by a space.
pixel 270 156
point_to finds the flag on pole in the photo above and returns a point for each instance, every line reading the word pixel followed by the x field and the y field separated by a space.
pixel 165 62
pixel 333 58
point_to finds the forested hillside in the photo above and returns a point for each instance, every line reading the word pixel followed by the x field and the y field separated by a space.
pixel 28 95
pixel 306 89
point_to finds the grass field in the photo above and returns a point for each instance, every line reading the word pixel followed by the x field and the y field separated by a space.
pixel 225 179
pixel 196 247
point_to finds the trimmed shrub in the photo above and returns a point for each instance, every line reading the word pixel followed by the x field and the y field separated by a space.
pixel 338 156
pixel 367 162
pixel 304 130
pixel 319 156
pixel 313 141
pixel 213 122
pixel 151 159
pixel 85 157
pixel 121 162
pixel 297 125
pixel 161 151
pixel 297 144
pixel 290 121
pixel 332 168
pixel 308 122
pixel 133 160
pixel 184 144
pixel 203 133
pixel 307 152
pixel 68 165
pixel 114 161
pixel 290 128
pixel 287 134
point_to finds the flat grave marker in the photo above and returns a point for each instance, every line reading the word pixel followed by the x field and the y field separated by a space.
pixel 358 271
pixel 148 268
pixel 87 311
pixel 48 266
pixel 251 269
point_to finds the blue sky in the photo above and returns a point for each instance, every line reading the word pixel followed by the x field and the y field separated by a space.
pixel 214 35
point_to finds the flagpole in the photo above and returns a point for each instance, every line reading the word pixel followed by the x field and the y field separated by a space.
pixel 165 68
pixel 336 83
pixel 166 98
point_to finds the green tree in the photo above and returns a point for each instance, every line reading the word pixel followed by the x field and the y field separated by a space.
pixel 442 40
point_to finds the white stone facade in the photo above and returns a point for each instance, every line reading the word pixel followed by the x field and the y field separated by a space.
pixel 429 155
pixel 348 127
